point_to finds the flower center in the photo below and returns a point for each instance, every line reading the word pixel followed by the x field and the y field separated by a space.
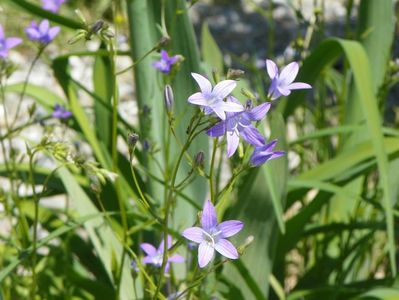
pixel 211 237
pixel 157 259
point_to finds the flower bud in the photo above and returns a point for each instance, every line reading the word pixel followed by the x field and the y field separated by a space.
pixel 199 159
pixel 235 74
pixel 248 94
pixel 97 26
pixel 163 41
pixel 168 97
pixel 132 139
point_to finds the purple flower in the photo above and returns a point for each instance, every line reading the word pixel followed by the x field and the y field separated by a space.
pixel 155 256
pixel 61 113
pixel 240 124
pixel 212 236
pixel 264 153
pixel 42 32
pixel 166 62
pixel 7 43
pixel 212 99
pixel 283 83
pixel 52 5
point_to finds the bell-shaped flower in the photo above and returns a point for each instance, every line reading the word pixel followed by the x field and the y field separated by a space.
pixel 42 32
pixel 52 5
pixel 283 83
pixel 264 153
pixel 7 43
pixel 240 124
pixel 155 256
pixel 212 236
pixel 212 98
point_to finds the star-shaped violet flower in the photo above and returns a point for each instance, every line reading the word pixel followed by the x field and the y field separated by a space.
pixel 42 32
pixel 283 82
pixel 240 124
pixel 7 43
pixel 166 62
pixel 155 256
pixel 212 99
pixel 60 112
pixel 264 153
pixel 212 236
pixel 52 5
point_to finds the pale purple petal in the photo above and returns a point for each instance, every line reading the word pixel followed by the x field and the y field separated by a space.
pixel 299 86
pixel 230 228
pixel 53 32
pixel 227 249
pixel 205 254
pixel 164 55
pixel 232 143
pixel 148 260
pixel 32 33
pixel 1 32
pixel 218 130
pixel 231 106
pixel 12 42
pixel 198 99
pixel 252 136
pixel 218 110
pixel 161 245
pixel 288 73
pixel 173 59
pixel 148 249
pixel 208 219
pixel 194 234
pixel 224 88
pixel 207 110
pixel 283 90
pixel 44 27
pixel 258 112
pixel 272 68
pixel 176 258
pixel 204 84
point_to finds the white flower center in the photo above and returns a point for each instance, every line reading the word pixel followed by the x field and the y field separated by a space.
pixel 157 260
pixel 211 237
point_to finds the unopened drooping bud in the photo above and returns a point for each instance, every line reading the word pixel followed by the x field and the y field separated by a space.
pixel 132 139
pixel 97 26
pixel 199 159
pixel 168 97
pixel 163 42
pixel 235 74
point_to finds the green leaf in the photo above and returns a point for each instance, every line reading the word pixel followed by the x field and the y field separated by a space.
pixel 211 53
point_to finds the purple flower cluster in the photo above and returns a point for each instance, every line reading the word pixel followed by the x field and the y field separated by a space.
pixel 236 120
pixel 42 32
pixel 7 43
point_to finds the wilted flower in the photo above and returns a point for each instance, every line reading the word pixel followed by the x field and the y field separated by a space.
pixel 155 256
pixel 42 32
pixel 212 236
pixel 283 83
pixel 166 62
pixel 7 43
pixel 212 99
pixel 52 5
pixel 240 124
pixel 264 153
pixel 61 113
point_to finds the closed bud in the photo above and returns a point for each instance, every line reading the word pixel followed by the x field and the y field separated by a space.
pixel 248 241
pixel 248 105
pixel 132 139
pixel 97 26
pixel 81 16
pixel 168 97
pixel 163 41
pixel 199 159
pixel 235 74
pixel 248 94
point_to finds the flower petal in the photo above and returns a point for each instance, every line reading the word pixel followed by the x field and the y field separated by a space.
pixel 224 88
pixel 164 55
pixel 288 73
pixel 198 99
pixel 176 258
pixel 271 68
pixel 148 260
pixel 32 33
pixel 299 86
pixel 148 249
pixel 12 42
pixel 218 110
pixel 52 33
pixel 230 228
pixel 208 218
pixel 227 249
pixel 232 143
pixel 44 26
pixel 231 106
pixel 217 130
pixel 194 234
pixel 204 84
pixel 252 136
pixel 283 90
pixel 205 254
pixel 1 32
pixel 161 245
pixel 258 112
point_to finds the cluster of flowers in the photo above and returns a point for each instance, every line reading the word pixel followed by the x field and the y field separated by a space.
pixel 41 33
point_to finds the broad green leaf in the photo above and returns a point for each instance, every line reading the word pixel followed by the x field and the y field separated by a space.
pixel 380 294
pixel 210 51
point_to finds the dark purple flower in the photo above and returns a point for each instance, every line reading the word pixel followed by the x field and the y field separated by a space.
pixel 283 82
pixel 52 5
pixel 212 99
pixel 166 62
pixel 7 43
pixel 264 153
pixel 61 113
pixel 240 124
pixel 155 256
pixel 212 236
pixel 42 32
